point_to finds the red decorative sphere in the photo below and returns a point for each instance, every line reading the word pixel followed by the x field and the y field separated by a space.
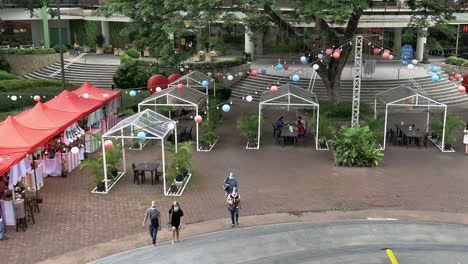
pixel 461 89
pixel 219 74
pixel 173 77
pixel 385 56
pixel 108 144
pixel 198 119
pixel 37 98
pixel 457 76
pixel 336 55
pixel 254 73
pixel 157 80
pixel 328 52
pixel 181 86
pixel 376 51
pixel 285 66
pixel 450 78
pixel 274 89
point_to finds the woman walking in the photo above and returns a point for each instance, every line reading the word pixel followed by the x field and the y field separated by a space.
pixel 465 139
pixel 233 201
pixel 175 223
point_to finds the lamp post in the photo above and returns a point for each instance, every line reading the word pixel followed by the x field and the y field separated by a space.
pixel 62 70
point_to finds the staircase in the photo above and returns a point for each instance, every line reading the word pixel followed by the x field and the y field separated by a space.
pixel 443 91
pixel 99 75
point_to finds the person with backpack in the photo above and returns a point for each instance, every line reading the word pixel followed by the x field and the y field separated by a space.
pixel 229 183
pixel 175 223
pixel 233 201
pixel 153 214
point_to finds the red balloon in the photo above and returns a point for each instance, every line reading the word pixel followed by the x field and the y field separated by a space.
pixel 286 67
pixel 385 56
pixel 157 80
pixel 457 76
pixel 181 86
pixel 219 74
pixel 336 55
pixel 387 51
pixel 173 77
pixel 461 89
pixel 338 50
pixel 198 119
pixel 108 144
pixel 328 52
pixel 376 51
pixel 274 89
pixel 37 98
pixel 254 73
pixel 450 78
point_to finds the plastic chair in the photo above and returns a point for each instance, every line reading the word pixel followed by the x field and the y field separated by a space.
pixel 137 174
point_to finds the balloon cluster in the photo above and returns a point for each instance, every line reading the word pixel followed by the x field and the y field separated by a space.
pixel 458 77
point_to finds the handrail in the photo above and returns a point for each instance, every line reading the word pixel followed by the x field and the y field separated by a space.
pixel 68 64
pixel 413 81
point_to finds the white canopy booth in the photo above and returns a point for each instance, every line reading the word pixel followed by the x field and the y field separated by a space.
pixel 406 101
pixel 172 96
pixel 195 80
pixel 289 96
pixel 154 125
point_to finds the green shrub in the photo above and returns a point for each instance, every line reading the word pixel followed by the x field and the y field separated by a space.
pixel 25 101
pixel 57 48
pixel 133 53
pixel 21 84
pixel 130 75
pixel 356 147
pixel 342 110
pixel 27 51
pixel 4 65
pixel 248 124
pixel 223 94
pixel 7 76
pixel 453 60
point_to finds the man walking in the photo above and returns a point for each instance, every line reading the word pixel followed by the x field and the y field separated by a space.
pixel 229 183
pixel 153 214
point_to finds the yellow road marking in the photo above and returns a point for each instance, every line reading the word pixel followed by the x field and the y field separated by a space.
pixel 391 256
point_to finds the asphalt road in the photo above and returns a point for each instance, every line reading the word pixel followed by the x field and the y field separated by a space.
pixel 314 242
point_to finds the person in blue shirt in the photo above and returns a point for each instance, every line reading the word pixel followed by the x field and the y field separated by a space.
pixel 229 183
pixel 279 123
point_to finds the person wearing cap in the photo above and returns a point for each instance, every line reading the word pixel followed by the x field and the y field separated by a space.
pixel 229 183
pixel 234 205
pixel 154 224
pixel 175 223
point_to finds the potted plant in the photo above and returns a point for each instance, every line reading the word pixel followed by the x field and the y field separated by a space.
pixel 99 44
pixel 181 164
pixel 208 136
pixel 452 122
pixel 326 130
pixel 248 124
pixel 113 158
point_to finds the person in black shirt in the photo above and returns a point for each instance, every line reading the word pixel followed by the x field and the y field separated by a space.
pixel 175 223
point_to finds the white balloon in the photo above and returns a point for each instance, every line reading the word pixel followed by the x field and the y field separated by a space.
pixel 320 56
pixel 158 89
pixel 86 95
pixel 230 77
pixel 414 61
pixel 13 97
pixel 390 57
pixel 75 150
pixel 410 66
pixel 303 58
pixel 171 126
pixel 316 67
pixel 249 98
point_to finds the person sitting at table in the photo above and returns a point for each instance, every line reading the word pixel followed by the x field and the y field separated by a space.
pixel 279 123
pixel 300 128
pixel 303 122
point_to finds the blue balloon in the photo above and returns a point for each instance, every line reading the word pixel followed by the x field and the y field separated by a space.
pixel 435 78
pixel 440 76
pixel 435 69
pixel 263 71
pixel 405 62
pixel 205 83
pixel 296 78
pixel 133 93
pixel 279 66
pixel 226 108
pixel 141 135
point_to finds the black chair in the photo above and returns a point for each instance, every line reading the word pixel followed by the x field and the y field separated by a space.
pixel 189 134
pixel 137 174
pixel 426 139
pixel 279 138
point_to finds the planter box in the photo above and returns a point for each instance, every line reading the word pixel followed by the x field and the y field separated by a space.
pixel 111 183
pixel 180 188
pixel 449 69
pixel 138 145
pixel 436 142
pixel 326 147
pixel 210 147
pixel 252 145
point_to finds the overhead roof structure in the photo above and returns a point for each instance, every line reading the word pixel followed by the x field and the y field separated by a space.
pixel 154 125
pixel 175 97
pixel 70 102
pixel 97 93
pixel 43 117
pixel 193 79
pixel 291 96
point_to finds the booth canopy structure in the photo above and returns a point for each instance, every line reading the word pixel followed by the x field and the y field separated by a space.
pixel 289 96
pixel 96 93
pixel 406 99
pixel 194 79
pixel 154 125
pixel 43 117
pixel 70 102
pixel 172 96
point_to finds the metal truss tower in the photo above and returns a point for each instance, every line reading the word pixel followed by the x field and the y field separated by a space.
pixel 357 73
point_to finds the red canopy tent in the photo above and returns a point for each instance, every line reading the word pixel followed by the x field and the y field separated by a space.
pixel 8 158
pixel 43 117
pixel 70 102
pixel 97 93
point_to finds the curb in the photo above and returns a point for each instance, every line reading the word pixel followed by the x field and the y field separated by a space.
pixel 101 250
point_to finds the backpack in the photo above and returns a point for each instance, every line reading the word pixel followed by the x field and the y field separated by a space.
pixel 154 218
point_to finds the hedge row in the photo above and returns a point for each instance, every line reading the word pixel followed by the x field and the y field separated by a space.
pixel 21 84
pixel 8 76
pixel 452 60
pixel 24 99
pixel 27 51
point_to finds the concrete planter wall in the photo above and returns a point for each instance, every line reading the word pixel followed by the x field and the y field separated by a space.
pixel 449 69
pixel 234 71
pixel 21 64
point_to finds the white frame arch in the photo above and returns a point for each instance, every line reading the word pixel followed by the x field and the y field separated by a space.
pixel 292 93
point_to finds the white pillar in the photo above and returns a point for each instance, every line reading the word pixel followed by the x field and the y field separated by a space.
pixel 164 167
pixel 317 127
pixel 259 125
pixel 397 32
pixel 249 46
pixel 105 32
pixel 385 127
pixel 104 161
pixel 420 45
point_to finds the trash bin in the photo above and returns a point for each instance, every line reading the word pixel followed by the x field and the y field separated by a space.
pixel 247 56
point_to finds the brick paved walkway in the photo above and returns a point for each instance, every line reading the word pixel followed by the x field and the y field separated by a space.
pixel 273 179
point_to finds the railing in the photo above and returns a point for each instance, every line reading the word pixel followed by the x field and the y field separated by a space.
pixel 68 64
pixel 83 3
pixel 413 81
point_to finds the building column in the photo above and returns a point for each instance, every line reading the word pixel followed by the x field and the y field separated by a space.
pixel 420 45
pixel 45 26
pixel 105 32
pixel 259 43
pixel 249 46
pixel 397 32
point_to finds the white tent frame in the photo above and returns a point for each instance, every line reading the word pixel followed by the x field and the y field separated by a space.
pixel 402 102
pixel 308 102
pixel 152 101
pixel 132 125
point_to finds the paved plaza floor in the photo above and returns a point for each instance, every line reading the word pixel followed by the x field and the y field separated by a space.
pixel 274 179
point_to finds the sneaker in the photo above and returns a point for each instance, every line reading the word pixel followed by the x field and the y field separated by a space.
pixel 154 245
pixel 237 223
pixel 172 242
pixel 233 225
